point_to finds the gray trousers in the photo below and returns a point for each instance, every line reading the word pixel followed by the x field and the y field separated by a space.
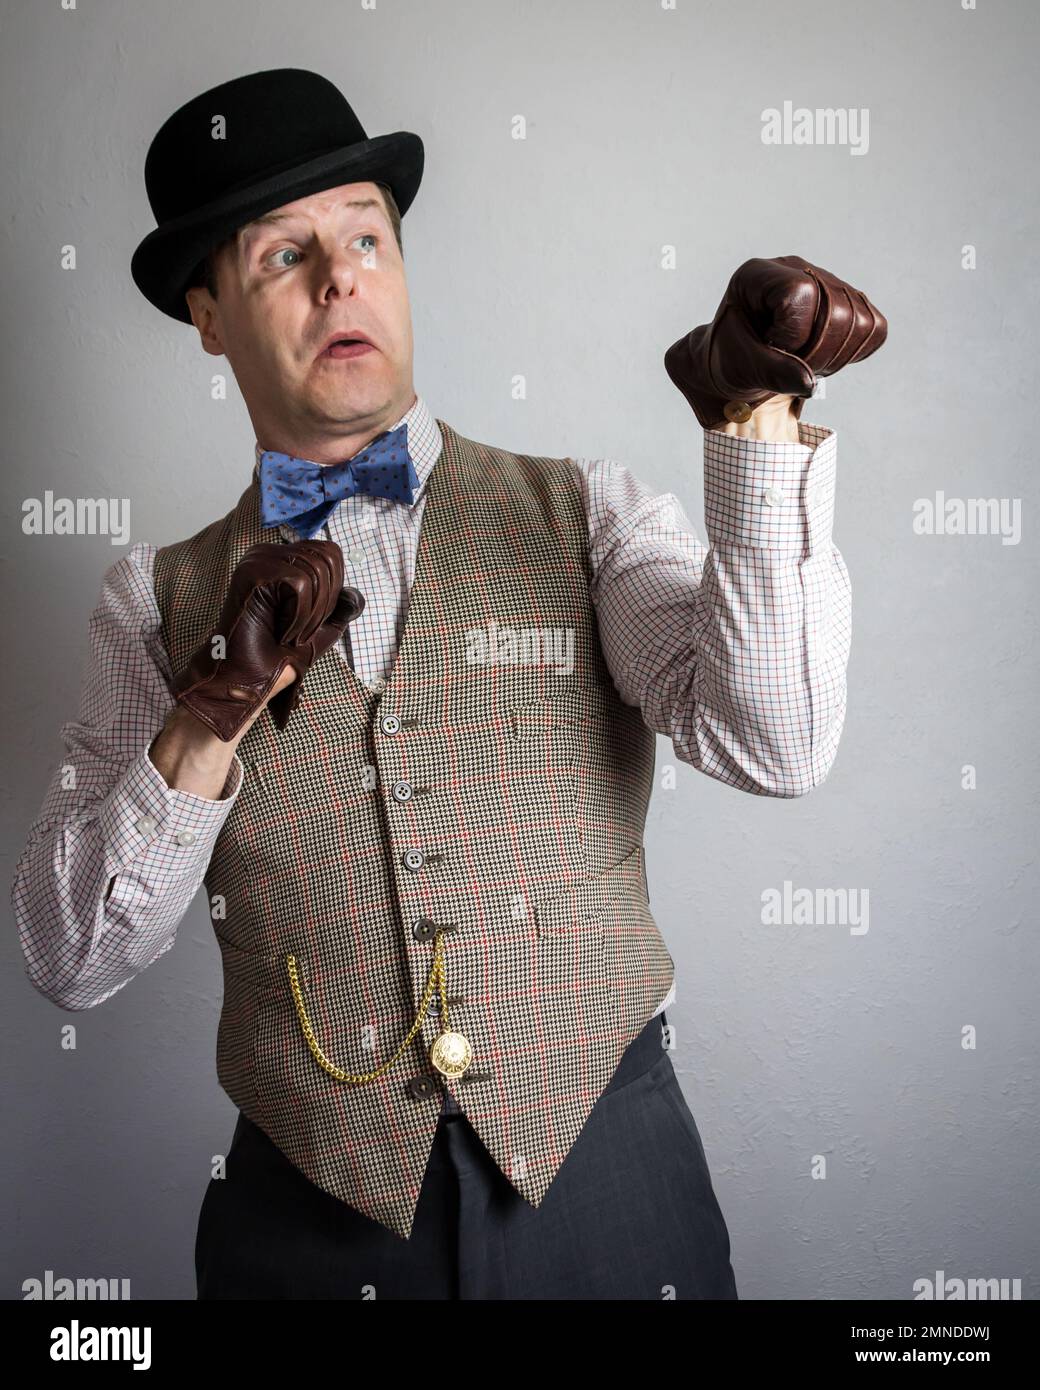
pixel 631 1214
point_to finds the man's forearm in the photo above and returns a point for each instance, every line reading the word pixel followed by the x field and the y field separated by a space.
pixel 190 757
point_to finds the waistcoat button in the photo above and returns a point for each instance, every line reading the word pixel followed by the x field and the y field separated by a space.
pixel 423 928
pixel 390 724
pixel 434 1006
pixel 422 1087
pixel 403 791
pixel 413 859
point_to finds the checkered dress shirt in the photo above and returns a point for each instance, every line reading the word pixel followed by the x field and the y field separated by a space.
pixel 736 652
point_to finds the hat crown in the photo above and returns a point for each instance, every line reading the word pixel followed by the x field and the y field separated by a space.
pixel 242 131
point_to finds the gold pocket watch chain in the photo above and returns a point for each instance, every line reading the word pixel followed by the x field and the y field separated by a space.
pixel 450 1052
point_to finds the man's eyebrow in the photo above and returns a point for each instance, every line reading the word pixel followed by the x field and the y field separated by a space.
pixel 274 218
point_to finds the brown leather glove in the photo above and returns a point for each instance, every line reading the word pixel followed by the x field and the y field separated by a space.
pixel 782 322
pixel 285 606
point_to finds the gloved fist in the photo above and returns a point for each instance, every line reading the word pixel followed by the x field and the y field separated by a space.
pixel 285 606
pixel 782 322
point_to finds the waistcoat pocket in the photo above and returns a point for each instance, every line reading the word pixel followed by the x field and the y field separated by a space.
pixel 587 903
pixel 576 933
pixel 354 1037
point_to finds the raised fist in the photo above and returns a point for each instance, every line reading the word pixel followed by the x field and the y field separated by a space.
pixel 782 323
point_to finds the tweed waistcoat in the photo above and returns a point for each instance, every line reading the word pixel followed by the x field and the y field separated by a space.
pixel 501 751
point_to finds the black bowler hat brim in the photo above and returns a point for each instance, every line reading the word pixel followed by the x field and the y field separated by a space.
pixel 163 263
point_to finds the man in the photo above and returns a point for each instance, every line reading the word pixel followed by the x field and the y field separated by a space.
pixel 398 708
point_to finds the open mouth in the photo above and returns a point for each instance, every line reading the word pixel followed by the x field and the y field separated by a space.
pixel 348 347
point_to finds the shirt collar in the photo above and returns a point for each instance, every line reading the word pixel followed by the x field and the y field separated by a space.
pixel 424 443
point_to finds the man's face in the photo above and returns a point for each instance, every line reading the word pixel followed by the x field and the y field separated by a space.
pixel 323 266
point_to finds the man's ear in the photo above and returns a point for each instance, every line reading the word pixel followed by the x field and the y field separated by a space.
pixel 203 312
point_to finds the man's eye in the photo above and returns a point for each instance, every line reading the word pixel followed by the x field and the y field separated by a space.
pixel 285 251
pixel 367 236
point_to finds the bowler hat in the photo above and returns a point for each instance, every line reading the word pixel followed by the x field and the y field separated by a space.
pixel 243 148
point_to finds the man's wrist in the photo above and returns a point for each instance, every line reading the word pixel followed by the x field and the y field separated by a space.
pixel 774 421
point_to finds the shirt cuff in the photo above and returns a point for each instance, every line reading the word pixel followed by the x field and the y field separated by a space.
pixel 771 495
pixel 143 813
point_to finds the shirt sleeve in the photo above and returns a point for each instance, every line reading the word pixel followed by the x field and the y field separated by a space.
pixel 115 857
pixel 736 650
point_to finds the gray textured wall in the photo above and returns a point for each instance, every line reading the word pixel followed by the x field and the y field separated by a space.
pixel 643 129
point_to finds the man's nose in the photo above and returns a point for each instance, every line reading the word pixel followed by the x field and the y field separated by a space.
pixel 338 267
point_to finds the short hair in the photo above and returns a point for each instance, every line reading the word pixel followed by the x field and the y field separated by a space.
pixel 205 273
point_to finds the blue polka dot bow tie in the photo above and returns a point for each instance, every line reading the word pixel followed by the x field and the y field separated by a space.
pixel 304 493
